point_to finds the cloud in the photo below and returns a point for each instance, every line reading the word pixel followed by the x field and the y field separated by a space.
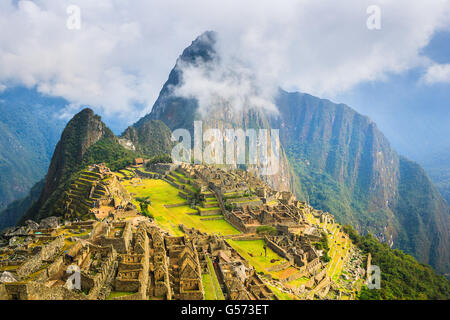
pixel 224 83
pixel 123 53
pixel 437 73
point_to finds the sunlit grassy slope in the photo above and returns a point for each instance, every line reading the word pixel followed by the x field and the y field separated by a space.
pixel 162 193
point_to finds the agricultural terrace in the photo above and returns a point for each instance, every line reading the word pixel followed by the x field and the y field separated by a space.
pixel 211 284
pixel 281 294
pixel 162 194
pixel 253 252
pixel 339 244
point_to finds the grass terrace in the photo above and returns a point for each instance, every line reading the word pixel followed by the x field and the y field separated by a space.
pixel 177 176
pixel 298 282
pixel 162 193
pixel 280 294
pixel 339 246
pixel 253 251
pixel 117 294
pixel 211 284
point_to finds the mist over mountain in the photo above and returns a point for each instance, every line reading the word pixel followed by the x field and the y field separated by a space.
pixel 331 156
pixel 29 129
pixel 338 160
pixel 178 108
pixel 437 165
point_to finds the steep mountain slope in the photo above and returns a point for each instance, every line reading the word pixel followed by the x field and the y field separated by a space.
pixel 180 112
pixel 15 210
pixel 85 140
pixel 437 165
pixel 347 166
pixel 329 141
pixel 177 112
pixel 423 215
pixel 29 130
pixel 402 277
pixel 151 138
pixel 342 162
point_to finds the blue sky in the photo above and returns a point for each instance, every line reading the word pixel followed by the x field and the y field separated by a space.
pixel 413 115
pixel 118 58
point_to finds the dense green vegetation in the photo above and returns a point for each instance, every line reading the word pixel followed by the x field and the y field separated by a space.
pixel 323 245
pixel 160 158
pixel 323 192
pixel 151 139
pixel 14 210
pixel 417 210
pixel 106 150
pixel 402 277
pixel 266 230
pixel 441 179
pixel 144 203
pixel 110 152
pixel 436 165
pixel 86 140
pixel 30 127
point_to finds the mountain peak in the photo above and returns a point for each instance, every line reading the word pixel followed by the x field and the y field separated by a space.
pixel 82 131
pixel 201 48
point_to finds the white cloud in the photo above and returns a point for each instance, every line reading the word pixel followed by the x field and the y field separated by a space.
pixel 224 83
pixel 124 50
pixel 437 73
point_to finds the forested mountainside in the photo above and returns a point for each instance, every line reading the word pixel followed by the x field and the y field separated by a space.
pixel 86 140
pixel 344 164
pixel 29 130
pixel 437 166
pixel 338 160
pixel 402 277
pixel 331 156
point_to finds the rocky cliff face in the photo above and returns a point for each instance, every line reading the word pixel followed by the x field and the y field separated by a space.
pixel 180 112
pixel 29 131
pixel 151 138
pixel 337 140
pixel 341 162
pixel 83 131
pixel 382 192
pixel 14 211
pixel 423 215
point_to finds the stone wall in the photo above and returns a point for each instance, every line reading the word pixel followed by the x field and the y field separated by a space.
pixel 38 291
pixel 295 276
pixel 3 293
pixel 136 296
pixel 127 285
pixel 120 244
pixel 148 175
pixel 278 250
pixel 186 203
pixel 48 252
pixel 162 168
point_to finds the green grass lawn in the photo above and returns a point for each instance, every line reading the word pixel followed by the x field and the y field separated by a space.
pixel 161 193
pixel 116 294
pixel 210 208
pixel 298 282
pixel 211 284
pixel 282 295
pixel 210 294
pixel 146 171
pixel 253 251
pixel 337 250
